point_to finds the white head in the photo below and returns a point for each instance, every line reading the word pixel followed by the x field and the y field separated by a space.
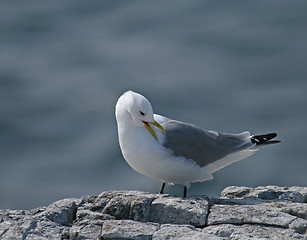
pixel 138 109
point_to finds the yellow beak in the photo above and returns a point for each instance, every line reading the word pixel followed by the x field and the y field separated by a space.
pixel 150 129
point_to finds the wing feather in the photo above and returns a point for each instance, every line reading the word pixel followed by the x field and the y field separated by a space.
pixel 204 147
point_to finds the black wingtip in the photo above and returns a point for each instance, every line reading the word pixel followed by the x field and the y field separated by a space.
pixel 264 139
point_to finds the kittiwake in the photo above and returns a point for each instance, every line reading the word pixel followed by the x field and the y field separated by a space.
pixel 174 151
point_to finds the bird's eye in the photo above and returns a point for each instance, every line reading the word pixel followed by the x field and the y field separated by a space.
pixel 142 113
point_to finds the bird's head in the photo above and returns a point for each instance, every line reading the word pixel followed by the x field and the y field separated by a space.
pixel 139 109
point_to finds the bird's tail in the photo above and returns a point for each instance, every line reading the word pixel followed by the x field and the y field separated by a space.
pixel 264 139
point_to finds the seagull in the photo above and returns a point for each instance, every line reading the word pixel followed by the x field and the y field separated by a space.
pixel 176 152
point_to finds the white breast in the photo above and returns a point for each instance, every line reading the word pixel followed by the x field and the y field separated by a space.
pixel 149 157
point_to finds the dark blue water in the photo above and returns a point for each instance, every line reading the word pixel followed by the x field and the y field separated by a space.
pixel 223 65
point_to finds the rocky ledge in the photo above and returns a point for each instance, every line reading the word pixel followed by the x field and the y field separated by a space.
pixel 240 213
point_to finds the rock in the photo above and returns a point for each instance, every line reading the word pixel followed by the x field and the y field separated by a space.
pixel 62 212
pixel 132 205
pixel 176 210
pixel 28 225
pixel 241 213
pixel 264 214
pixel 84 230
pixel 128 229
pixel 174 232
pixel 247 231
pixel 293 194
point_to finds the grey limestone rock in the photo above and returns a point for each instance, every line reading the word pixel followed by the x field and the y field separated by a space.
pixel 268 212
pixel 62 212
pixel 264 214
pixel 192 211
pixel 182 232
pixel 250 231
pixel 16 224
pixel 132 205
pixel 128 229
pixel 293 194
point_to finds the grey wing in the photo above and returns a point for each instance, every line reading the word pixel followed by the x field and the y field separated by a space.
pixel 204 147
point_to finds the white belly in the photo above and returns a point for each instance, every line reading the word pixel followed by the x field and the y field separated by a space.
pixel 149 157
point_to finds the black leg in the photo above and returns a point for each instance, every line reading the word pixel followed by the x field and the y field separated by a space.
pixel 162 188
pixel 184 191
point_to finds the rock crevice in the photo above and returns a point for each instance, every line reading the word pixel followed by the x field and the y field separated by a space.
pixel 240 213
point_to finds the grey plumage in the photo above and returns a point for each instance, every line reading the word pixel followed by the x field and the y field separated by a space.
pixel 204 147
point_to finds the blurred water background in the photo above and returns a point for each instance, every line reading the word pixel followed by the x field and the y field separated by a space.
pixel 228 66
